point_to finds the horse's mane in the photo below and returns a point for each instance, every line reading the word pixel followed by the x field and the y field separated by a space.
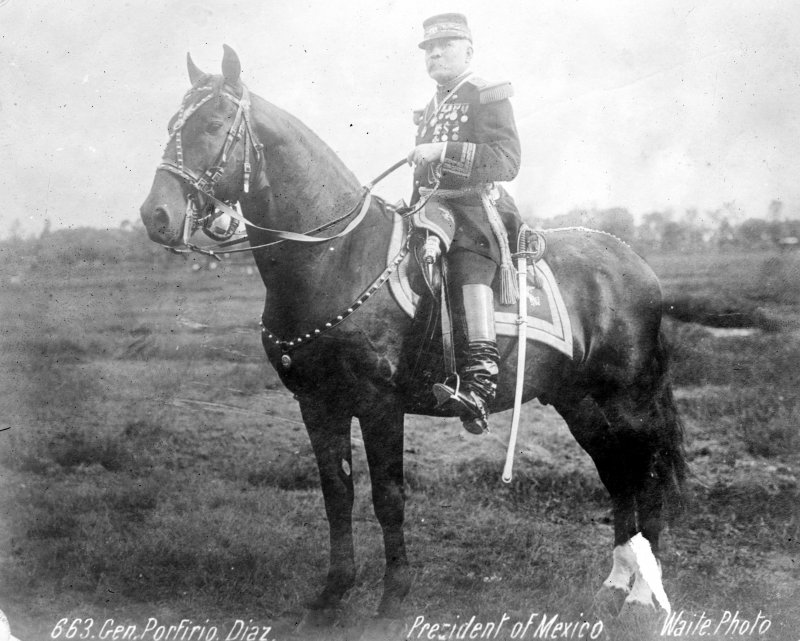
pixel 287 127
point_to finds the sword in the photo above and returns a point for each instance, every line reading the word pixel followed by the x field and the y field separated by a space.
pixel 522 337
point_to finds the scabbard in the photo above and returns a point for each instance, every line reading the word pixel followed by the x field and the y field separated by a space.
pixel 522 341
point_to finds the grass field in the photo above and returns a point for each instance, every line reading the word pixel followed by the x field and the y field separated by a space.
pixel 153 467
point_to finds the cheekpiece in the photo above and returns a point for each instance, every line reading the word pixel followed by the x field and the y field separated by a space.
pixel 445 25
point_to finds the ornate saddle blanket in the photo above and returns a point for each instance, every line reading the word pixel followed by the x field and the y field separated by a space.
pixel 548 319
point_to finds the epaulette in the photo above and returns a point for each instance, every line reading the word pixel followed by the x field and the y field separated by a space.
pixel 418 115
pixel 496 91
pixel 492 91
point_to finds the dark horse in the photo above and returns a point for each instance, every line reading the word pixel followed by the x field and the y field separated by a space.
pixel 613 393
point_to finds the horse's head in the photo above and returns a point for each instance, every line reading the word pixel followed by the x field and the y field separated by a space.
pixel 209 159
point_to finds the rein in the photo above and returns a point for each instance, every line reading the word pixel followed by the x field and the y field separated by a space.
pixel 363 202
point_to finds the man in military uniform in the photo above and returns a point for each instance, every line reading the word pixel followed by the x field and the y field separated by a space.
pixel 466 140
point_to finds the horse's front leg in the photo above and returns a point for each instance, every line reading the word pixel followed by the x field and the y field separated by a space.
pixel 329 431
pixel 382 428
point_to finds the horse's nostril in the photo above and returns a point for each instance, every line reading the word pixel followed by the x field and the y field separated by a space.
pixel 161 218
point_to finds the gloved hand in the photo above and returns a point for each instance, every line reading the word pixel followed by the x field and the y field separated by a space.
pixel 427 153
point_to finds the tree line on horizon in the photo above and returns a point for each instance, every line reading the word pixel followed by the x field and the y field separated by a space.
pixel 658 231
pixel 663 231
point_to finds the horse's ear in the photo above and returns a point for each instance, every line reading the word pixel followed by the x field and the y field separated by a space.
pixel 231 67
pixel 194 73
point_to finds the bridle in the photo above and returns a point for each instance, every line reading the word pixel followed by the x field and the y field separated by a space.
pixel 220 220
pixel 203 208
pixel 241 127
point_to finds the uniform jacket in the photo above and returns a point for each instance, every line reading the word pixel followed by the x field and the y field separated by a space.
pixel 477 122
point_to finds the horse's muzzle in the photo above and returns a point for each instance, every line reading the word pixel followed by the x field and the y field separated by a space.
pixel 161 225
pixel 163 212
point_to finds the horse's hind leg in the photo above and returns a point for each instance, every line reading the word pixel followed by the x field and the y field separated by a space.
pixel 647 437
pixel 589 426
pixel 329 432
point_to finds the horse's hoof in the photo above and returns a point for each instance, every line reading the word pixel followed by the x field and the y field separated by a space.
pixel 322 618
pixel 638 622
pixel 390 608
pixel 608 603
pixel 396 586
pixel 384 629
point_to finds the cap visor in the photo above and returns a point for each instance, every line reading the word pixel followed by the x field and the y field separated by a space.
pixel 444 35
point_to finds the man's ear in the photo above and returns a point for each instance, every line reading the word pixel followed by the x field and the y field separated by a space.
pixel 469 53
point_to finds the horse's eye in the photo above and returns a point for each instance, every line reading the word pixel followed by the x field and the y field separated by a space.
pixel 213 127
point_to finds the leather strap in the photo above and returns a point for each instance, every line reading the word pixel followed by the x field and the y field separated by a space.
pixel 448 349
pixel 279 234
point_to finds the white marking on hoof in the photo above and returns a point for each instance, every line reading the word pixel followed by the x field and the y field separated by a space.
pixel 649 571
pixel 641 593
pixel 623 569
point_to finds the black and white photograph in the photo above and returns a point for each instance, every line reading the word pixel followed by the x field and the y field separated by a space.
pixel 403 321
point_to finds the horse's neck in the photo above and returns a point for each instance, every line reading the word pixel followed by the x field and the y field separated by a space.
pixel 310 186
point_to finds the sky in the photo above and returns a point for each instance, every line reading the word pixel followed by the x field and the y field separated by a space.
pixel 659 105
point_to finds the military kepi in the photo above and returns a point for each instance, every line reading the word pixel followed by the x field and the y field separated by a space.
pixel 445 25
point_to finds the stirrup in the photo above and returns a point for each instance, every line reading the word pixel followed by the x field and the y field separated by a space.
pixel 475 425
pixel 468 405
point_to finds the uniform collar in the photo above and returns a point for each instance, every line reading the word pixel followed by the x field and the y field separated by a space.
pixel 442 91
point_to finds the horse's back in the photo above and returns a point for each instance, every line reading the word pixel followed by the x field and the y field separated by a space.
pixel 613 301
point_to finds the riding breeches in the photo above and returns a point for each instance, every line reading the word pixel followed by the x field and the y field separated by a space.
pixel 469 268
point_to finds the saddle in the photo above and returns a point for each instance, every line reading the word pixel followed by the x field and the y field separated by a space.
pixel 439 328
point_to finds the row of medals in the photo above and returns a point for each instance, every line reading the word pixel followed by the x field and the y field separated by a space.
pixel 446 122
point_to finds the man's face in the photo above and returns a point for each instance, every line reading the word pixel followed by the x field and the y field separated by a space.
pixel 447 58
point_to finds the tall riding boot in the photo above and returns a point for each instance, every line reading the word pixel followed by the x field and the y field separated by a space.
pixel 477 384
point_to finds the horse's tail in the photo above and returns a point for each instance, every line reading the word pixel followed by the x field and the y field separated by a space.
pixel 670 460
